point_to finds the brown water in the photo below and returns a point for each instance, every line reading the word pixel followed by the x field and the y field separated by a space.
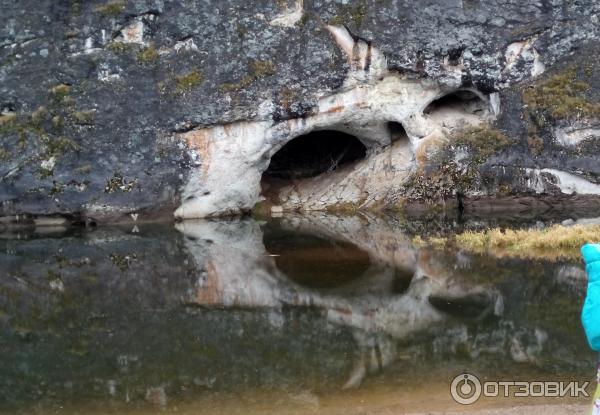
pixel 317 314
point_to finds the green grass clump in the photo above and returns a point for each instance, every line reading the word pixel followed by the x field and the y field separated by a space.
pixel 561 96
pixel 4 155
pixel 148 56
pixel 186 82
pixel 112 8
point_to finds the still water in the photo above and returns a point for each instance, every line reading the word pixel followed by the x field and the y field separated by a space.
pixel 301 314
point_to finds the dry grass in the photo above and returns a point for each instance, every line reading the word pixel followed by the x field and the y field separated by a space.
pixel 60 90
pixel 553 243
pixel 7 118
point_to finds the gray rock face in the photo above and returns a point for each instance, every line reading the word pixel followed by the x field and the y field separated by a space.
pixel 96 96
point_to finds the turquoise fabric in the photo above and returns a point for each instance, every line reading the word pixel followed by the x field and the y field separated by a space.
pixel 591 309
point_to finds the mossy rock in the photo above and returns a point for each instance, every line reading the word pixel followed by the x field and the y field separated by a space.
pixel 61 90
pixel 443 177
pixel 112 8
pixel 261 69
pixel 188 81
pixel 39 116
pixel 120 48
pixel 562 97
pixel 350 14
pixel 482 141
pixel 57 146
pixel 148 56
pixel 84 117
pixel 258 69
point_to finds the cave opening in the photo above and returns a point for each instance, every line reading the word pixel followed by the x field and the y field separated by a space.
pixel 462 101
pixel 397 132
pixel 315 153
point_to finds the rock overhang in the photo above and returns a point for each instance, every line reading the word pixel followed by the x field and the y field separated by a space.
pixel 233 157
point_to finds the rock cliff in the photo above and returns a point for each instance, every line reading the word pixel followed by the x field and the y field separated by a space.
pixel 135 109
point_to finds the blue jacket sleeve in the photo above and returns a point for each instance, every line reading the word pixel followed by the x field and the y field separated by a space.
pixel 591 309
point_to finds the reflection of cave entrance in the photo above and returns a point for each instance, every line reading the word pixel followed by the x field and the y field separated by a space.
pixel 470 306
pixel 313 154
pixel 314 261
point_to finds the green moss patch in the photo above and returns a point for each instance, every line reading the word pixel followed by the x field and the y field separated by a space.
pixel 39 116
pixel 483 142
pixel 112 8
pixel 61 90
pixel 84 117
pixel 148 56
pixel 188 81
pixel 57 146
pixel 60 96
pixel 120 48
pixel 353 13
pixel 562 96
pixel 262 68
pixel 559 97
pixel 258 69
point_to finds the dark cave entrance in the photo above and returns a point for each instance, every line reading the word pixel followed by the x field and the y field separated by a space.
pixel 464 101
pixel 397 133
pixel 313 154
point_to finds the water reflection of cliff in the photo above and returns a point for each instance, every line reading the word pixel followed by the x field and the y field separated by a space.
pixel 301 303
pixel 376 283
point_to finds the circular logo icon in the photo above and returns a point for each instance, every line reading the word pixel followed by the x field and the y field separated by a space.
pixel 466 389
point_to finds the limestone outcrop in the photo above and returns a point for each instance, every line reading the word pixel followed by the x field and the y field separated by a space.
pixel 137 109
